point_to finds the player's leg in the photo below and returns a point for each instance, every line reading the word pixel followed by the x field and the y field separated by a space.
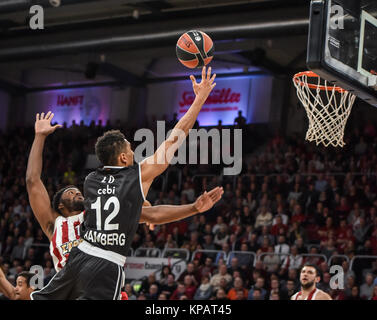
pixel 58 288
pixel 97 278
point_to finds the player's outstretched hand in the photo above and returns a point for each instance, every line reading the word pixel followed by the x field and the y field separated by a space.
pixel 208 199
pixel 43 124
pixel 204 88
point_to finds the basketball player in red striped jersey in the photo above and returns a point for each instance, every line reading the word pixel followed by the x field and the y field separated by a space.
pixel 61 221
pixel 309 277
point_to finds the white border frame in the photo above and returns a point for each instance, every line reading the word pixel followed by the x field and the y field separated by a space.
pixel 365 16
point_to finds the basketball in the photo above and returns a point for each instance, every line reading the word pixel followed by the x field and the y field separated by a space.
pixel 194 49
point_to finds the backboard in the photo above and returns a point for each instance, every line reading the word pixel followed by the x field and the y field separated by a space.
pixel 342 45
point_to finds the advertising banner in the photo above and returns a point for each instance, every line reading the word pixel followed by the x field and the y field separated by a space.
pixel 138 267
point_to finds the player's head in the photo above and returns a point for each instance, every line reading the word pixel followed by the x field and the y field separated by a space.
pixel 68 200
pixel 112 149
pixel 309 276
pixel 23 288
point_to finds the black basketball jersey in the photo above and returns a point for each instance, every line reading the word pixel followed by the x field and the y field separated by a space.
pixel 113 203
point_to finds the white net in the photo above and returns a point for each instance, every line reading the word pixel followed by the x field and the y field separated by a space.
pixel 327 107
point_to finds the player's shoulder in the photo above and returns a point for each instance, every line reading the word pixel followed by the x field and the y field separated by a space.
pixel 322 295
pixel 293 297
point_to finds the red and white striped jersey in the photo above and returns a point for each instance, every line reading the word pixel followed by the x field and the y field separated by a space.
pixel 65 237
pixel 311 295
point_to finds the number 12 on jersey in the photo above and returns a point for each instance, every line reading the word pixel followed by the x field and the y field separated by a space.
pixel 97 206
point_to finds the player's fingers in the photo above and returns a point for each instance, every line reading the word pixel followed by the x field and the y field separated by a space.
pixel 48 115
pixel 209 73
pixel 215 195
pixel 214 190
pixel 42 115
pixel 212 78
pixel 213 85
pixel 203 73
pixel 57 126
pixel 37 117
pixel 193 79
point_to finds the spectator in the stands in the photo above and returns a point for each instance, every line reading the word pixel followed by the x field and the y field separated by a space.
pixel 282 247
pixel 292 261
pixel 189 282
pixel 240 121
pixel 222 273
pixel 271 261
pixel 220 295
pixel 165 271
pixel 259 286
pixel 354 294
pixel 221 236
pixel 191 271
pixel 153 292
pixel 264 218
pixel 361 230
pixel 179 292
pixel 237 285
pixel 151 279
pixel 205 290
pixel 280 214
pixel 366 289
pixel 170 286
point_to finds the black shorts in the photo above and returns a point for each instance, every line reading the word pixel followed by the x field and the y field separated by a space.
pixel 84 277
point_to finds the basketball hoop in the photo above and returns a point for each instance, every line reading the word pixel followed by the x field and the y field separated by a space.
pixel 327 107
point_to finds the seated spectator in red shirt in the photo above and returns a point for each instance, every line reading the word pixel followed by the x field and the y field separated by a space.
pixel 341 231
pixel 344 242
pixel 191 270
pixel 343 209
pixel 190 287
pixel 297 215
pixel 264 246
pixel 207 268
pixel 179 292
pixel 237 285
pixel 323 232
pixel 279 224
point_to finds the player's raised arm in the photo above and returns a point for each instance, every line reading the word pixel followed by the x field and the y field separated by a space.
pixel 167 213
pixel 156 164
pixel 38 196
pixel 6 287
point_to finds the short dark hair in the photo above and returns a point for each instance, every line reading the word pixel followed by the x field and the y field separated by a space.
pixel 27 275
pixel 58 196
pixel 318 274
pixel 109 146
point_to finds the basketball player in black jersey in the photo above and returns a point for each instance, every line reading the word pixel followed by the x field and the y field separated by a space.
pixel 114 195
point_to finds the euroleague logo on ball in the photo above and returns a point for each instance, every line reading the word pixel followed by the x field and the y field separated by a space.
pixel 194 49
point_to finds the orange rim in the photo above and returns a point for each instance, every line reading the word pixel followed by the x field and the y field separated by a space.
pixel 311 74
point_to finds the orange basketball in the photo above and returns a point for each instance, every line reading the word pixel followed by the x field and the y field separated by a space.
pixel 194 49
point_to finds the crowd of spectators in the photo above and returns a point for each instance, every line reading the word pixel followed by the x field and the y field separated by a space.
pixel 291 199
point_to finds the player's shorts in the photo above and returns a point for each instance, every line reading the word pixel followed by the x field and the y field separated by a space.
pixel 84 277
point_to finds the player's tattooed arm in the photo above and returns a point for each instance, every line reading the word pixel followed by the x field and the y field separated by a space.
pixel 38 195
pixel 168 213
pixel 6 287
pixel 157 163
